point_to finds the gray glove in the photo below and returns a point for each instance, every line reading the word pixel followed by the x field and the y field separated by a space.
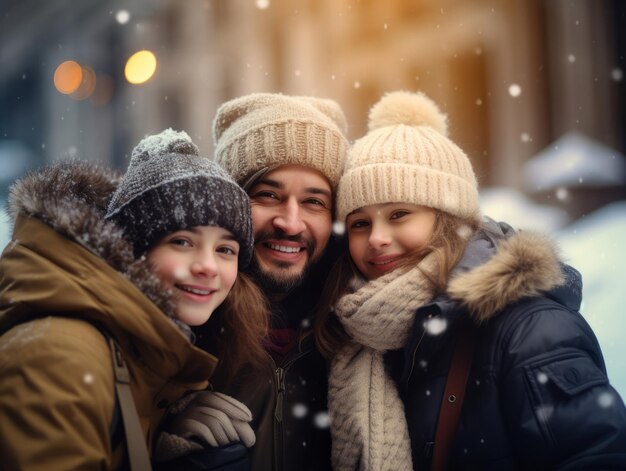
pixel 214 419
pixel 204 419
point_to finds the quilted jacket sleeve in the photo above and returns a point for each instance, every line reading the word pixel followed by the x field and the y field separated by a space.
pixel 560 407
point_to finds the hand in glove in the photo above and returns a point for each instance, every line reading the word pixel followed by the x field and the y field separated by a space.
pixel 214 419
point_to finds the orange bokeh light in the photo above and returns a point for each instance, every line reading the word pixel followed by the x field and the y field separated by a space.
pixel 67 77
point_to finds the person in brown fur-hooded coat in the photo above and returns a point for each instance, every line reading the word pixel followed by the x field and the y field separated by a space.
pixel 87 258
pixel 423 271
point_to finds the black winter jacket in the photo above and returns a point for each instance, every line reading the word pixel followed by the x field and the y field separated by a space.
pixel 538 396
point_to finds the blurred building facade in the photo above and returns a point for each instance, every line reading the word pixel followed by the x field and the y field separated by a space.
pixel 513 75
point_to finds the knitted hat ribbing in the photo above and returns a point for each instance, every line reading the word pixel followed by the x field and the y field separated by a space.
pixel 169 187
pixel 263 131
pixel 407 157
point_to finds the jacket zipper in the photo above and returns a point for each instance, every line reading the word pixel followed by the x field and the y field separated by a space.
pixel 408 378
pixel 280 390
pixel 279 377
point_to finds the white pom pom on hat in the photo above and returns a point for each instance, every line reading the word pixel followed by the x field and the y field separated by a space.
pixel 410 109
pixel 407 157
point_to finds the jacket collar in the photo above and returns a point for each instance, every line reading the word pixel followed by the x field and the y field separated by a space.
pixel 500 267
pixel 72 198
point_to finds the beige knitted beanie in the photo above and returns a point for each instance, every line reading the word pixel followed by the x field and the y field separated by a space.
pixel 259 132
pixel 407 157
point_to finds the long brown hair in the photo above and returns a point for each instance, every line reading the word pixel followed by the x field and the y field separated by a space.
pixel 448 241
pixel 235 331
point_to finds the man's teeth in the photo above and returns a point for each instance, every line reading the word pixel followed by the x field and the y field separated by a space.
pixel 282 248
pixel 195 290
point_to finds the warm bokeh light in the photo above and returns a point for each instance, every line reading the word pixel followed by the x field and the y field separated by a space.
pixel 87 84
pixel 67 77
pixel 140 67
pixel 104 90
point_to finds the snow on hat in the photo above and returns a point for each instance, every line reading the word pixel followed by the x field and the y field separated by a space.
pixel 259 132
pixel 169 187
pixel 406 157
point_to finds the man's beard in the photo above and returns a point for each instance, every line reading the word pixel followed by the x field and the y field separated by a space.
pixel 283 281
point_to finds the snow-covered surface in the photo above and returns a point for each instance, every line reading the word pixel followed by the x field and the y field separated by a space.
pixel 574 160
pixel 5 228
pixel 504 204
pixel 596 246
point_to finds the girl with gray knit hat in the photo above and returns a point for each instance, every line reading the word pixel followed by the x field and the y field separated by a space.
pixel 97 288
pixel 192 223
pixel 454 342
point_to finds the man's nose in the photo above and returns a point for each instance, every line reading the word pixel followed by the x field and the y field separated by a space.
pixel 289 220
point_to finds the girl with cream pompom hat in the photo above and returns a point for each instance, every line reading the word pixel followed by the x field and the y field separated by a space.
pixel 423 273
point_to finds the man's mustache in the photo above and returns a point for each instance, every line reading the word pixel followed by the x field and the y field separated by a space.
pixel 308 243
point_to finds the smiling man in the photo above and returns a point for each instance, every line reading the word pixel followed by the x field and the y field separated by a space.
pixel 292 224
pixel 288 153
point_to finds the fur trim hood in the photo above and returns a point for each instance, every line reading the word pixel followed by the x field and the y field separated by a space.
pixel 501 267
pixel 72 198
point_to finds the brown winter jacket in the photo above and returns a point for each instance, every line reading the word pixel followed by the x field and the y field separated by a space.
pixel 65 269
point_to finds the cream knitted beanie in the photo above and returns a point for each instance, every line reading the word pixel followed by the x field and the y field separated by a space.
pixel 407 157
pixel 259 132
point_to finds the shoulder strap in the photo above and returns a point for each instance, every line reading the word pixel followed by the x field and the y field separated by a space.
pixel 135 439
pixel 452 401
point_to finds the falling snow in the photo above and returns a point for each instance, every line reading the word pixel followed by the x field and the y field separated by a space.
pixel 515 90
pixel 562 194
pixel 122 17
pixel 299 411
pixel 339 228
pixel 544 412
pixel 322 420
pixel 606 400
pixel 435 326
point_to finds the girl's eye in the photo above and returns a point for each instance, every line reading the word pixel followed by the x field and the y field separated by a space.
pixel 227 250
pixel 359 224
pixel 180 242
pixel 399 214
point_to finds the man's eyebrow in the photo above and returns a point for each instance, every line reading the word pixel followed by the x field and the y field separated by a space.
pixel 272 183
pixel 319 191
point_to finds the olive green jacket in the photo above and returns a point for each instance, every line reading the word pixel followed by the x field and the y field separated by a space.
pixel 64 270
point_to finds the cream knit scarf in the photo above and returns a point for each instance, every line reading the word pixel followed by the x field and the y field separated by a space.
pixel 368 425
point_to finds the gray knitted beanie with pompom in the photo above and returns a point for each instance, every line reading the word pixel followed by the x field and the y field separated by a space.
pixel 169 187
